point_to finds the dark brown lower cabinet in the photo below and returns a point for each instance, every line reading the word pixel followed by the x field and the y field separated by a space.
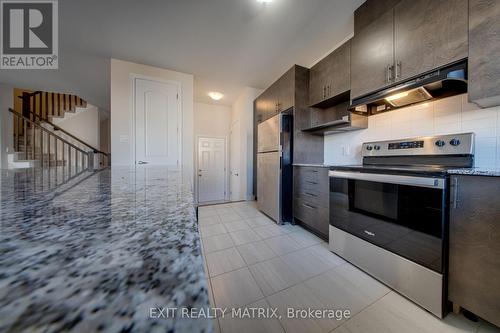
pixel 474 267
pixel 311 198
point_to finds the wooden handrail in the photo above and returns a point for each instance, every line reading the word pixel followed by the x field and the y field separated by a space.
pixel 46 131
pixel 95 150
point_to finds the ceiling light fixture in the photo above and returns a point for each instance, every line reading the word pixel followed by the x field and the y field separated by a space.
pixel 264 1
pixel 215 95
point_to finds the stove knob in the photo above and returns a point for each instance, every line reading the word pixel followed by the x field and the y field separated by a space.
pixel 376 147
pixel 454 142
pixel 369 147
pixel 440 143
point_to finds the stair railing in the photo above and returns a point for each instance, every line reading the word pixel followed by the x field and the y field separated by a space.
pixel 105 156
pixel 82 160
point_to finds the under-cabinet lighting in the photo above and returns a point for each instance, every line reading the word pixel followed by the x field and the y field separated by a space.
pixel 396 96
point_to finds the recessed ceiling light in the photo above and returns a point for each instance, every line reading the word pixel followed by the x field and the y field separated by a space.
pixel 264 1
pixel 215 95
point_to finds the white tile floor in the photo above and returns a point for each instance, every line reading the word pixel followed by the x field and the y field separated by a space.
pixel 252 262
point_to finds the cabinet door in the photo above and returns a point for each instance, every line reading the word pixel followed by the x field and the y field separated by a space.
pixel 273 99
pixel 474 267
pixel 331 76
pixel 286 90
pixel 484 48
pixel 318 76
pixel 339 70
pixel 267 105
pixel 260 108
pixel 429 34
pixel 372 51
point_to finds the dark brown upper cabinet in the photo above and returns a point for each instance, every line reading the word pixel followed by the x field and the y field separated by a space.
pixel 484 48
pixel 286 91
pixel 330 78
pixel 263 107
pixel 372 55
pixel 414 37
pixel 428 34
pixel 277 98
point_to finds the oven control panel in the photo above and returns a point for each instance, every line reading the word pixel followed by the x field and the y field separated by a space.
pixel 406 145
pixel 452 144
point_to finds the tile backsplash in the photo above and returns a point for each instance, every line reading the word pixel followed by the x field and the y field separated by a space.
pixel 446 116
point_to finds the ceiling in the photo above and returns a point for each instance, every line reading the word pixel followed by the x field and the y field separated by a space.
pixel 226 44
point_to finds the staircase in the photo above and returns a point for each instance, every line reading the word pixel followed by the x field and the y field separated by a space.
pixel 38 142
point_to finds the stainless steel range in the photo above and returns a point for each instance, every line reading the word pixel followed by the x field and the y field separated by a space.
pixel 389 216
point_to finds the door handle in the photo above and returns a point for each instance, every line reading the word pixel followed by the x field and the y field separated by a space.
pixel 369 233
pixel 142 162
pixel 236 174
pixel 310 206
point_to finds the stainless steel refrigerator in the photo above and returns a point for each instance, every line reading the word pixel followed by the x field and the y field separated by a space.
pixel 274 167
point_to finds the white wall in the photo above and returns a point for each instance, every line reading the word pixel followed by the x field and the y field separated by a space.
pixel 242 110
pixel 211 120
pixel 122 112
pixel 6 123
pixel 446 116
pixel 84 124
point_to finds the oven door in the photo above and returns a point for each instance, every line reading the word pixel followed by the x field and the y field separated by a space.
pixel 402 214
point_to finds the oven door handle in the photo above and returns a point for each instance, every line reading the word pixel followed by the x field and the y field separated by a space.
pixel 391 179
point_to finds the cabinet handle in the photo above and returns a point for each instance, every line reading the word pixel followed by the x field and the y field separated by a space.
pixel 454 193
pixel 329 91
pixel 324 91
pixel 309 206
pixel 310 194
pixel 310 182
pixel 398 70
pixel 390 76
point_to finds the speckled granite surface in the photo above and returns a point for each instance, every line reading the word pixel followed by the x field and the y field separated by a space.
pixel 475 172
pixel 311 165
pixel 97 256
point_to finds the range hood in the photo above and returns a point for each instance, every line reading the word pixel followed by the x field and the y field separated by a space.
pixel 443 82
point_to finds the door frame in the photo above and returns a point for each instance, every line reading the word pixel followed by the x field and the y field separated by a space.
pixel 133 77
pixel 226 166
pixel 230 175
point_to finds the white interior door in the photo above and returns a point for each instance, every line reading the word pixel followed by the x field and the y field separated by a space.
pixel 235 162
pixel 211 169
pixel 156 122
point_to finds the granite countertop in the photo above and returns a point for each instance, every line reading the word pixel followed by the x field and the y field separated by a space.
pixel 311 165
pixel 475 172
pixel 99 254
